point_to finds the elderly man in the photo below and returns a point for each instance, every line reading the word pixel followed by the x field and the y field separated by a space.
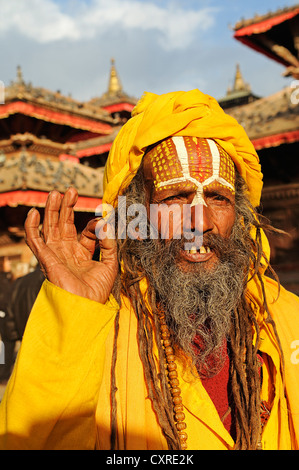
pixel 176 341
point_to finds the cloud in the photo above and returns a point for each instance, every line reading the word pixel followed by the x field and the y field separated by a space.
pixel 40 20
pixel 44 21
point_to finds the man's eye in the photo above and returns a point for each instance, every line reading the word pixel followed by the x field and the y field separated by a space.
pixel 218 198
pixel 175 197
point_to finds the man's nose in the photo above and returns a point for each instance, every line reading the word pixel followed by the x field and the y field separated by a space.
pixel 201 219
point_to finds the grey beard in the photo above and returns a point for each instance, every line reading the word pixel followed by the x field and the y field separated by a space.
pixel 198 303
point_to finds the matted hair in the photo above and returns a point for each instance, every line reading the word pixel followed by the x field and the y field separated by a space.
pixel 244 363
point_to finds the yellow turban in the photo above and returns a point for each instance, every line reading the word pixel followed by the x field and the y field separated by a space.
pixel 191 113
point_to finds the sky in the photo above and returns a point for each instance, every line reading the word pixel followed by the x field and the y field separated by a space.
pixel 158 45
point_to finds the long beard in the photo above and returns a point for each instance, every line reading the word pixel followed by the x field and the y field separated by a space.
pixel 198 302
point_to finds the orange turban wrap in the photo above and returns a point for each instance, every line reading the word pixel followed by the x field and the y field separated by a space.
pixel 191 113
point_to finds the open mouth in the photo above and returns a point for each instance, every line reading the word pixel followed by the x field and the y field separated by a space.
pixel 203 250
pixel 198 255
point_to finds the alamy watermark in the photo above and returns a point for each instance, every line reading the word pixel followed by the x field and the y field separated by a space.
pixel 2 353
pixel 163 221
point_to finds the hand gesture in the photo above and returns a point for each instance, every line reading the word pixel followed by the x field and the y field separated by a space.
pixel 66 260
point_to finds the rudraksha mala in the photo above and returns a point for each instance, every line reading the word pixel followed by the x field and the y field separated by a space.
pixel 173 381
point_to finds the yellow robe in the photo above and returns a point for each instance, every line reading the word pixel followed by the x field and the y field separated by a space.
pixel 58 396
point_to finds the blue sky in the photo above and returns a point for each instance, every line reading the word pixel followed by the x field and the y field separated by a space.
pixel 158 45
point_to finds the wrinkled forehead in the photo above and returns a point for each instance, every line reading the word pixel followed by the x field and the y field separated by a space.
pixel 196 161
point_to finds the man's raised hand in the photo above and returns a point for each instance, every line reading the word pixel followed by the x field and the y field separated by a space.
pixel 66 261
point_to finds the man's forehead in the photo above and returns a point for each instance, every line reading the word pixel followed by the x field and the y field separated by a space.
pixel 201 162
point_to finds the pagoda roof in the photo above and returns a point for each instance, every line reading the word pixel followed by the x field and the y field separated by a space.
pixel 24 172
pixel 273 34
pixel 53 106
pixel 266 21
pixel 96 145
pixel 36 144
pixel 54 116
pixel 270 121
pixel 33 198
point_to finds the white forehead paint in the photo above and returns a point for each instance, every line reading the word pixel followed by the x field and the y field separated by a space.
pixel 182 153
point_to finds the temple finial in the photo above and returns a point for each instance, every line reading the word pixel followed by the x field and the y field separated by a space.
pixel 114 86
pixel 239 83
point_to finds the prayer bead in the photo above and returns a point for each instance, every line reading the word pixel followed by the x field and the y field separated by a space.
pixel 175 391
pixel 173 374
pixel 183 436
pixel 181 426
pixel 174 382
pixel 168 350
pixel 171 358
pixel 183 445
pixel 164 328
pixel 172 366
pixel 180 416
pixel 177 400
pixel 165 335
pixel 178 408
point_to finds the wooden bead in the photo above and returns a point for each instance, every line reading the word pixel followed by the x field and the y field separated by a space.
pixel 178 408
pixel 174 382
pixel 164 328
pixel 173 374
pixel 168 350
pixel 172 366
pixel 175 391
pixel 171 358
pixel 181 426
pixel 165 335
pixel 177 400
pixel 180 416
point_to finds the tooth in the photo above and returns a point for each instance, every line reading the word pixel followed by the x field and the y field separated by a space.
pixel 202 250
pixel 208 249
pixel 193 250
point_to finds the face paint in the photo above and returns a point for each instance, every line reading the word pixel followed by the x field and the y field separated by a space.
pixel 193 163
pixel 190 182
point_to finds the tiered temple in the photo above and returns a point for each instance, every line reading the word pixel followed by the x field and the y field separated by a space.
pixel 272 123
pixel 51 141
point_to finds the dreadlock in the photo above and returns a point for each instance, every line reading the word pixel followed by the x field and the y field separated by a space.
pixel 244 363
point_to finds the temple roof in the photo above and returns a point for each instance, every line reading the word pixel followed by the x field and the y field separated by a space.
pixel 281 14
pixel 96 145
pixel 270 121
pixel 66 106
pixel 25 171
pixel 275 34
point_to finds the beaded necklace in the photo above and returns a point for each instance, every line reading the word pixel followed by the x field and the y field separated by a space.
pixel 175 391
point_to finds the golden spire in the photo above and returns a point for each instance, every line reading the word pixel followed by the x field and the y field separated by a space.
pixel 20 79
pixel 239 84
pixel 114 86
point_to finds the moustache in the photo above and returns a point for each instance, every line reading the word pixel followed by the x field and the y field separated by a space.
pixel 213 242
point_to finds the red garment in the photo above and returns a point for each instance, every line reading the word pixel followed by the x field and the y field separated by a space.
pixel 218 388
